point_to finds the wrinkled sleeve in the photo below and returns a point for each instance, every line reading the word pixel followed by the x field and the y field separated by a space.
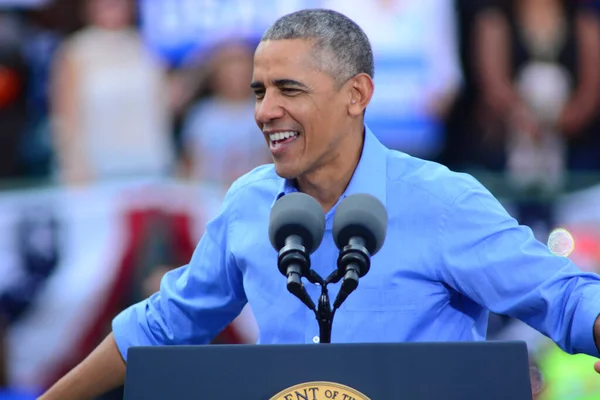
pixel 196 301
pixel 491 259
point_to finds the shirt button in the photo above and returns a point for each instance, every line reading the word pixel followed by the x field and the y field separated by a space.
pixel 316 339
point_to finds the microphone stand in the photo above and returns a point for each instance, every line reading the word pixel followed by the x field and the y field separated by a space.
pixel 323 312
pixel 324 316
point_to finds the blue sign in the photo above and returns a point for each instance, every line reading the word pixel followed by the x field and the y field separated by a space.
pixel 180 29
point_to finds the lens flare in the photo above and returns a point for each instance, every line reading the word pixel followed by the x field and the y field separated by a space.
pixel 561 242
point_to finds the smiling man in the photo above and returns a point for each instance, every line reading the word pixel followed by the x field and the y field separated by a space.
pixel 310 98
pixel 451 253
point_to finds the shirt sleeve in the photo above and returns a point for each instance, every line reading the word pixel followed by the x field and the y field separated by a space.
pixel 491 259
pixel 195 302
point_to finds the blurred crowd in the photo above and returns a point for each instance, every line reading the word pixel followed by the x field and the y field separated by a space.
pixel 123 122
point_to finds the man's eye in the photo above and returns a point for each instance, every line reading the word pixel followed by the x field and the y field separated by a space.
pixel 259 94
pixel 290 91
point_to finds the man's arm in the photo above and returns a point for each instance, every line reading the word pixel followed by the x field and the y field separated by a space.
pixel 493 261
pixel 194 303
pixel 102 371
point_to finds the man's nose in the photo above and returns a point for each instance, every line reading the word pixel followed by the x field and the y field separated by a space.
pixel 268 108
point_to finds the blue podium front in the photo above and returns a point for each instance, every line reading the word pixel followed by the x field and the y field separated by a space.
pixel 378 371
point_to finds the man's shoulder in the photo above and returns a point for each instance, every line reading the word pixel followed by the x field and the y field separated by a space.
pixel 429 178
pixel 261 180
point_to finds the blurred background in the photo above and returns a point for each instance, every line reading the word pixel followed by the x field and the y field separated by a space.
pixel 122 124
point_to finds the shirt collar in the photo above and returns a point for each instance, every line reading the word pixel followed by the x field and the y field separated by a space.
pixel 370 175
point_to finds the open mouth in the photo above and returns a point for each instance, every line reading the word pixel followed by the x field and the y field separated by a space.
pixel 280 139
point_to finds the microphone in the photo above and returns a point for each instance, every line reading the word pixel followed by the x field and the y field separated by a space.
pixel 296 228
pixel 359 229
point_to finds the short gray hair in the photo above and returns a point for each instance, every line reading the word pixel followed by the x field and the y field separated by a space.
pixel 347 44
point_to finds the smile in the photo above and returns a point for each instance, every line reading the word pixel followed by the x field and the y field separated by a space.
pixel 280 139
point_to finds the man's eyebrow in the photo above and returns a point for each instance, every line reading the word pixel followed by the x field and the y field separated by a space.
pixel 278 82
pixel 289 82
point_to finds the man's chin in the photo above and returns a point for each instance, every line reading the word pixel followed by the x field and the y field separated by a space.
pixel 285 171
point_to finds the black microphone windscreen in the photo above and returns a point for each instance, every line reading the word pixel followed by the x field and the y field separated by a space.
pixel 297 214
pixel 360 215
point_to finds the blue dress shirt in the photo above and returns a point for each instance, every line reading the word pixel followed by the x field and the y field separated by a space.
pixel 451 253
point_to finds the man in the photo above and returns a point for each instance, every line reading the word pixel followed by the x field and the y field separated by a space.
pixel 451 251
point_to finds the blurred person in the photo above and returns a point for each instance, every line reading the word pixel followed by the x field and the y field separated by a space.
pixel 537 69
pixel 418 71
pixel 110 119
pixel 312 80
pixel 110 101
pixel 220 141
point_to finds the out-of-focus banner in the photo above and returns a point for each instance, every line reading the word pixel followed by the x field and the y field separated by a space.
pixel 68 258
pixel 183 29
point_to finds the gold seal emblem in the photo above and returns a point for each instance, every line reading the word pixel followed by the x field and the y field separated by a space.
pixel 319 391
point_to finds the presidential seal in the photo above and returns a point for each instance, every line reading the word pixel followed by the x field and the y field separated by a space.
pixel 319 391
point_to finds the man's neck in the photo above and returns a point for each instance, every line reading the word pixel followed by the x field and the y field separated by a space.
pixel 328 182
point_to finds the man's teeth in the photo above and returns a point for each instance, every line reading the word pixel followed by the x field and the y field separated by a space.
pixel 274 137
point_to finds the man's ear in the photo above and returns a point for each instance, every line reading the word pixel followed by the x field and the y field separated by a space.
pixel 361 92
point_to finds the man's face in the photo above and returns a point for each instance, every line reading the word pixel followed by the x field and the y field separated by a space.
pixel 300 109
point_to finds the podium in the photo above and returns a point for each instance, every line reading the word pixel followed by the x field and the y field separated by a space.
pixel 377 371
